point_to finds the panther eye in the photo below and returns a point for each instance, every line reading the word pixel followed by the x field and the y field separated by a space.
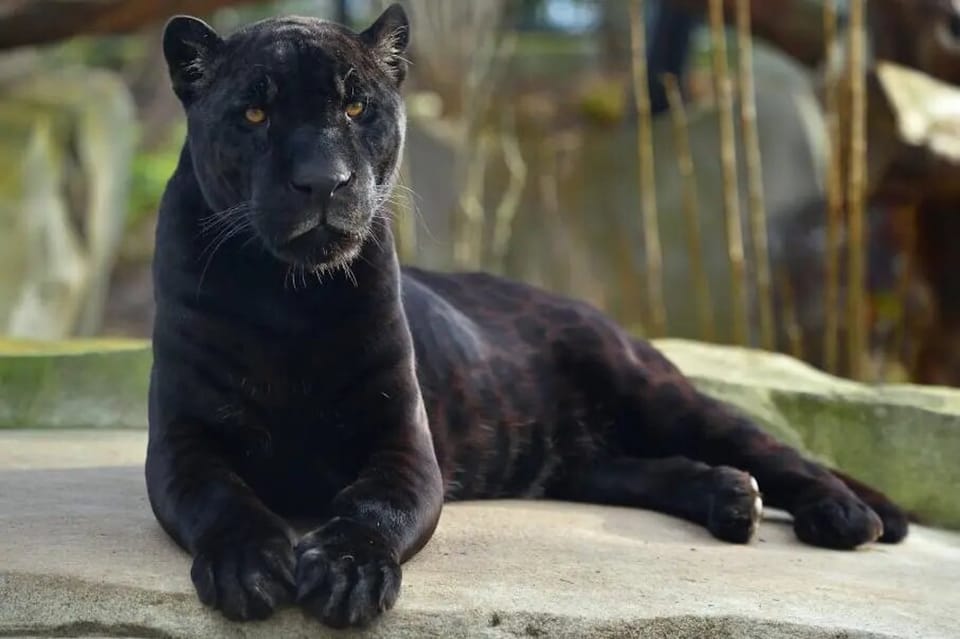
pixel 354 110
pixel 255 115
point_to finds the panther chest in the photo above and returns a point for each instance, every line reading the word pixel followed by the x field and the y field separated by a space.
pixel 287 441
pixel 297 470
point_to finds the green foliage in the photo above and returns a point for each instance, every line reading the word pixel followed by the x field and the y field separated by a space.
pixel 149 175
pixel 108 52
pixel 546 44
pixel 604 102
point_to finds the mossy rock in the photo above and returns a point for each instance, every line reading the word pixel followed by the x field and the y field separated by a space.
pixel 74 383
pixel 903 439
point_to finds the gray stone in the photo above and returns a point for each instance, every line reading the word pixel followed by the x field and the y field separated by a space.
pixel 81 555
pixel 902 439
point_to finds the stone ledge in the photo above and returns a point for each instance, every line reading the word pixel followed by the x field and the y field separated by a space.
pixel 902 439
pixel 74 383
pixel 81 555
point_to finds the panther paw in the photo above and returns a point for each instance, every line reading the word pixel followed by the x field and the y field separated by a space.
pixel 736 506
pixel 840 521
pixel 347 575
pixel 246 576
pixel 896 525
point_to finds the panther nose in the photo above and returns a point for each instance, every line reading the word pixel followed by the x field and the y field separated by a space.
pixel 320 185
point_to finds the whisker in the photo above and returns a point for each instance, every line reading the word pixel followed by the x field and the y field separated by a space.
pixel 348 272
pixel 415 199
pixel 218 218
pixel 216 244
pixel 222 235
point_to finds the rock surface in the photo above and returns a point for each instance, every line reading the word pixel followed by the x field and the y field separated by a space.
pixel 81 555
pixel 903 439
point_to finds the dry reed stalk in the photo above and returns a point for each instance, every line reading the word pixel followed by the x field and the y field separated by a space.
pixel 691 207
pixel 468 246
pixel 506 210
pixel 549 184
pixel 834 193
pixel 791 322
pixel 901 335
pixel 656 309
pixel 751 145
pixel 728 156
pixel 856 192
pixel 405 216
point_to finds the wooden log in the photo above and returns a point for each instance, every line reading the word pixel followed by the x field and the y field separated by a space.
pixel 33 22
pixel 919 34
pixel 793 26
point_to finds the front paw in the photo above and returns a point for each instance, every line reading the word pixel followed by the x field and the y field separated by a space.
pixel 245 574
pixel 346 574
pixel 840 521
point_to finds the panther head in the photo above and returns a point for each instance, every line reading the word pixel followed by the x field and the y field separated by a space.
pixel 295 123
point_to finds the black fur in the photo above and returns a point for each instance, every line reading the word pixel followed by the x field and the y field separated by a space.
pixel 299 373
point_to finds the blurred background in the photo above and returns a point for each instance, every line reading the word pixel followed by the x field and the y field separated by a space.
pixel 780 174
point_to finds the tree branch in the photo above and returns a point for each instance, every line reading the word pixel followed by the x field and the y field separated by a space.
pixel 793 26
pixel 33 22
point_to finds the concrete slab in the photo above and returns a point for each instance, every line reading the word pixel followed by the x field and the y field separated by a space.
pixel 80 555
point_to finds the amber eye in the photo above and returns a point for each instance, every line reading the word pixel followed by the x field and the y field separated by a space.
pixel 354 110
pixel 255 115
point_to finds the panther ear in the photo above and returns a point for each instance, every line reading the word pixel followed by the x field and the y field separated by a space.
pixel 190 46
pixel 388 37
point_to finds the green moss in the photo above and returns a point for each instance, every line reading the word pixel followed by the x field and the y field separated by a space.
pixel 905 440
pixel 79 384
pixel 40 348
pixel 907 451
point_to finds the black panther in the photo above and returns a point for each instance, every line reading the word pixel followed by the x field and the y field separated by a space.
pixel 300 374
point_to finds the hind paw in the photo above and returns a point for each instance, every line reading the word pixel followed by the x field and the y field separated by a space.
pixel 735 506
pixel 895 523
pixel 837 521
